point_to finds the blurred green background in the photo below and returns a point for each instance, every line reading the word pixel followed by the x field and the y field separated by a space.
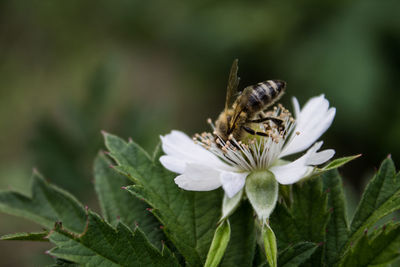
pixel 69 69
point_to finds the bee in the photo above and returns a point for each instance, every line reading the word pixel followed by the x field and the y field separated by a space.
pixel 238 118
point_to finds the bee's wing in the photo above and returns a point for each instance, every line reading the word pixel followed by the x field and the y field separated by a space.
pixel 233 82
pixel 238 109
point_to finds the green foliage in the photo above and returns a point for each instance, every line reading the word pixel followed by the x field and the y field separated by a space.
pixel 102 245
pixel 297 254
pixel 118 205
pixel 318 214
pixel 36 236
pixel 311 215
pixel 64 263
pixel 47 205
pixel 149 221
pixel 380 247
pixel 81 236
pixel 380 198
pixel 305 219
pixel 189 218
pixel 309 210
pixel 337 231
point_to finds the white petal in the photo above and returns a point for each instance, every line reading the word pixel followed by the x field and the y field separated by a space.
pixel 232 182
pixel 197 177
pixel 183 150
pixel 290 173
pixel 180 145
pixel 296 107
pixel 314 107
pixel 321 157
pixel 173 164
pixel 313 120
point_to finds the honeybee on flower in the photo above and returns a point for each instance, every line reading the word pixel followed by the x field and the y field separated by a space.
pixel 247 145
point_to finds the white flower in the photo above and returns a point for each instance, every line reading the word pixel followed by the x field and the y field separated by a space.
pixel 205 165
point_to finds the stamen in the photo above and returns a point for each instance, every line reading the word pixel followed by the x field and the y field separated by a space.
pixel 209 121
pixel 256 153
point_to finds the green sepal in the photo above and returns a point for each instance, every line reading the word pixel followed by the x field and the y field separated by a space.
pixel 262 192
pixel 334 164
pixel 270 248
pixel 242 243
pixel 229 205
pixel 218 244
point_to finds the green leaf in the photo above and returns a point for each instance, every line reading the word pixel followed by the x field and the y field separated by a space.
pixel 305 219
pixel 218 244
pixel 337 231
pixel 189 218
pixel 338 162
pixel 269 241
pixel 309 210
pixel 64 263
pixel 381 247
pixel 297 254
pixel 47 205
pixel 241 247
pixel 381 197
pixel 310 214
pixel 118 205
pixel 283 223
pixel 102 245
pixel 33 236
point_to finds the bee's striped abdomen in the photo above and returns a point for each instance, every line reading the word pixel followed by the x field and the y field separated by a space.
pixel 264 94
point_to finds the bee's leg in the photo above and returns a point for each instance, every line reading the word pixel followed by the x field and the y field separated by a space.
pixel 252 132
pixel 277 121
pixel 261 115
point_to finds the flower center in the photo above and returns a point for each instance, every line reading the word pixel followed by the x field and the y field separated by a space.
pixel 254 151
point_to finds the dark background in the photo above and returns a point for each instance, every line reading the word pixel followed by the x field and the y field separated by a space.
pixel 139 69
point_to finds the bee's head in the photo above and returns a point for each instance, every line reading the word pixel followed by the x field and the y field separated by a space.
pixel 222 128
